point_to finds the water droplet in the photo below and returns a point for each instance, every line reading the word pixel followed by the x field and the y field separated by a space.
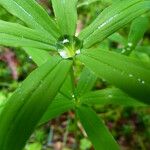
pixel 143 82
pixel 130 44
pixel 78 51
pixel 30 57
pixel 63 54
pixel 73 96
pixel 69 46
pixel 106 22
pixel 130 75
pixel 65 41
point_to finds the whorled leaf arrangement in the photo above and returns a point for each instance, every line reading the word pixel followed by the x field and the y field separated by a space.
pixel 49 90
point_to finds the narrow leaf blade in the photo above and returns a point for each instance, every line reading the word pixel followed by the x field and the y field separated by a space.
pixel 110 96
pixel 29 102
pixel 58 106
pixel 128 74
pixel 24 36
pixel 86 82
pixel 137 30
pixel 15 41
pixel 24 32
pixel 37 55
pixel 96 130
pixel 66 15
pixel 112 19
pixel 67 88
pixel 32 14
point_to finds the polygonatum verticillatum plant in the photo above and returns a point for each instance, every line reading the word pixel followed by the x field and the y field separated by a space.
pixel 50 90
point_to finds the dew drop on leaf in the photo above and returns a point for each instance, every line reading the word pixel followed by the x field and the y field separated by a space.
pixel 107 21
pixel 69 46
pixel 130 44
pixel 143 82
pixel 130 75
pixel 73 96
pixel 30 57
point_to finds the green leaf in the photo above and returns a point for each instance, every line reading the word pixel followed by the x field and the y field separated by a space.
pixel 109 96
pixel 3 101
pixel 85 144
pixel 86 82
pixel 34 146
pixel 116 37
pixel 87 2
pixel 67 88
pixel 32 14
pixel 137 30
pixel 66 15
pixel 24 36
pixel 128 74
pixel 61 103
pixel 24 32
pixel 112 19
pixel 58 106
pixel 144 49
pixel 38 56
pixel 29 102
pixel 14 41
pixel 96 130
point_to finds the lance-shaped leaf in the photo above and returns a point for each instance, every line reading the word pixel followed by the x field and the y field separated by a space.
pixel 128 74
pixel 62 102
pixel 96 130
pixel 29 102
pixel 37 55
pixel 21 31
pixel 24 36
pixel 135 34
pixel 109 96
pixel 116 37
pixel 87 2
pixel 2 101
pixel 67 88
pixel 32 14
pixel 137 30
pixel 144 49
pixel 112 19
pixel 58 106
pixel 66 15
pixel 15 41
pixel 86 82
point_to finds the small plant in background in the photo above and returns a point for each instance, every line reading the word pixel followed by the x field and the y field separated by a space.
pixel 56 49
